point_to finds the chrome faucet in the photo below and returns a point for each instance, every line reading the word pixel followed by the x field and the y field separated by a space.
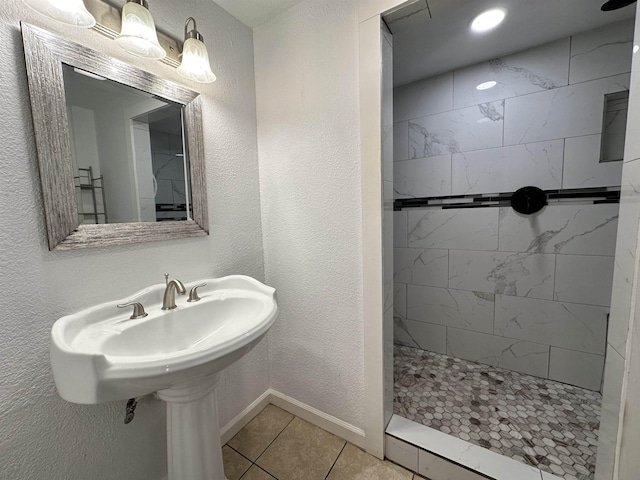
pixel 169 299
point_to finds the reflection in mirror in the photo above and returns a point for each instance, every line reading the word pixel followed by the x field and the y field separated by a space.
pixel 113 142
pixel 128 152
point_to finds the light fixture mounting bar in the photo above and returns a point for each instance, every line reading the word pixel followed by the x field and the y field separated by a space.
pixel 109 21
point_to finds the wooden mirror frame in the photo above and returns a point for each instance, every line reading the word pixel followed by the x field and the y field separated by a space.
pixel 44 54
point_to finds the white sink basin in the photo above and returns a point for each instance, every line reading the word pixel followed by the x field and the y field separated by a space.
pixel 100 355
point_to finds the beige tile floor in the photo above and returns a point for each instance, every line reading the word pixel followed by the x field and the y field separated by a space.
pixel 277 445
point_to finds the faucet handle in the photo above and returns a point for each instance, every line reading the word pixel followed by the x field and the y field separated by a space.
pixel 193 294
pixel 166 279
pixel 138 310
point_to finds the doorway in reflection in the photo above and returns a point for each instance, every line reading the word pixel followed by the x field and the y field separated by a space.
pixel 128 152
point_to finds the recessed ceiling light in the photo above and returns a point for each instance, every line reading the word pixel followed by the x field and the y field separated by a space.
pixel 488 20
pixel 486 85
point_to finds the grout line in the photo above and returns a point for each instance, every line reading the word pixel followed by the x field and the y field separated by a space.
pixel 336 460
pixel 448 268
pixel 276 437
pixel 239 453
pixel 564 154
pixel 495 312
pixel 244 475
pixel 555 276
pixel 262 469
pixel 408 142
pixel 446 340
pixel 453 88
pixel 504 119
pixel 406 222
pixel 570 57
pixel 451 171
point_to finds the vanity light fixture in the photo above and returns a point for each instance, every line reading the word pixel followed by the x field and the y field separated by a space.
pixel 71 12
pixel 138 33
pixel 195 58
pixel 486 85
pixel 488 20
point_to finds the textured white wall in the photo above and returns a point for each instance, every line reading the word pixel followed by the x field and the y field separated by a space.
pixel 42 436
pixel 307 88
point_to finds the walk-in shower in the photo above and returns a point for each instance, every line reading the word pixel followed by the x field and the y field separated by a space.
pixel 502 303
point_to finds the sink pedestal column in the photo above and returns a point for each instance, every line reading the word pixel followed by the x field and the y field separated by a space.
pixel 193 434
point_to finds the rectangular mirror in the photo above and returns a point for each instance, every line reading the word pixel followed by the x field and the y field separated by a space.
pixel 119 149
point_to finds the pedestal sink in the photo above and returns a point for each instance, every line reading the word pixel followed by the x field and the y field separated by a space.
pixel 101 355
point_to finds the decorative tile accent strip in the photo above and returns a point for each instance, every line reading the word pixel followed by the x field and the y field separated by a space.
pixel 546 424
pixel 584 196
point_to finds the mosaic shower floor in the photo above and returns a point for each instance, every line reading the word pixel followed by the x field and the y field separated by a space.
pixel 543 423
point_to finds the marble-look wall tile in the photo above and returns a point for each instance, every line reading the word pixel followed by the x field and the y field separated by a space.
pixel 507 169
pixel 400 231
pixel 387 197
pixel 632 145
pixel 164 193
pixel 584 279
pixel 424 97
pixel 399 299
pixel 517 355
pixel 453 308
pixel 387 267
pixel 582 167
pixel 521 274
pixel 402 453
pixel 534 70
pixel 602 52
pixel 401 141
pixel 438 468
pixel 626 246
pixel 421 266
pixel 388 295
pixel 426 336
pixel 463 229
pixel 167 166
pixel 566 325
pixel 609 414
pixel 569 111
pixel 387 153
pixel 462 130
pixel 570 229
pixel 576 368
pixel 422 177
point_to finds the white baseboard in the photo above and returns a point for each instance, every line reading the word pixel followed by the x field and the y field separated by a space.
pixel 312 415
pixel 239 421
pixel 318 418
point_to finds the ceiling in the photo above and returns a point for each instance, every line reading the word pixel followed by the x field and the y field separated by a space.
pixel 254 13
pixel 432 36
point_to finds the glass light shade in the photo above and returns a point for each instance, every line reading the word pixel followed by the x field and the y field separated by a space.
pixel 71 12
pixel 195 62
pixel 138 33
